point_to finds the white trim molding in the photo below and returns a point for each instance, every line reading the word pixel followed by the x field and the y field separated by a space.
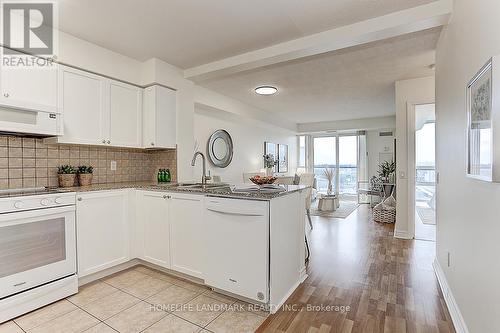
pixel 402 234
pixel 456 316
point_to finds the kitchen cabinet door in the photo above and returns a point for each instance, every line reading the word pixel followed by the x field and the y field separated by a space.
pixel 152 218
pixel 82 102
pixel 159 117
pixel 125 114
pixel 29 88
pixel 102 230
pixel 186 224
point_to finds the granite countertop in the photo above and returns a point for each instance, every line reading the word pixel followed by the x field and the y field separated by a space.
pixel 223 191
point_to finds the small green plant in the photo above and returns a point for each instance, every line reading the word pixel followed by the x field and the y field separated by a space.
pixel 83 169
pixel 386 169
pixel 66 169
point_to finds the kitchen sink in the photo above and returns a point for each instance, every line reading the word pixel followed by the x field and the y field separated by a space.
pixel 200 186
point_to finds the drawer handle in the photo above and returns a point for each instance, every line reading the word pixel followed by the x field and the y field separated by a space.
pixel 233 280
pixel 6 95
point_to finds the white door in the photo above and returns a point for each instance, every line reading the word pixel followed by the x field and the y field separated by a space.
pixel 236 249
pixel 81 97
pixel 102 230
pixel 186 233
pixel 125 114
pixel 29 88
pixel 152 215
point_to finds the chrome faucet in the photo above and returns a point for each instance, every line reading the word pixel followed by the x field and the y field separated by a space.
pixel 204 176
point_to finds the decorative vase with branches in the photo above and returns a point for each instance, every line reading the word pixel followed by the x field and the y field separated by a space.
pixel 329 174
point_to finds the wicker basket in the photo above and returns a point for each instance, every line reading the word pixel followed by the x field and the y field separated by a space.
pixel 67 180
pixel 85 179
pixel 383 215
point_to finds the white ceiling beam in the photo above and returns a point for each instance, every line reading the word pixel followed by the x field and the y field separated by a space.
pixel 415 19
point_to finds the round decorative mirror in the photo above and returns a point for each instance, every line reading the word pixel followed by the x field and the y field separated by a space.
pixel 220 148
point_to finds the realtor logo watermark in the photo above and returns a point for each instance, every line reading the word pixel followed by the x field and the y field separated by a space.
pixel 29 33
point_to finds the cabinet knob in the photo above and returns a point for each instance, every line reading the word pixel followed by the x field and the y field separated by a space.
pixel 103 141
pixel 6 95
pixel 152 143
pixel 165 196
pixel 79 199
pixel 109 142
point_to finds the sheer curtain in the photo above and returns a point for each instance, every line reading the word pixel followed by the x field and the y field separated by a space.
pixel 363 181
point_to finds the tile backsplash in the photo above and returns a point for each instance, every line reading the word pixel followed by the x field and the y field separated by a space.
pixel 30 162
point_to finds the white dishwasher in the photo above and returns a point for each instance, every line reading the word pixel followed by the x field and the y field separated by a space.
pixel 236 246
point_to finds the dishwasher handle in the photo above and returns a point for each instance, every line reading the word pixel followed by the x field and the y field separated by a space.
pixel 235 209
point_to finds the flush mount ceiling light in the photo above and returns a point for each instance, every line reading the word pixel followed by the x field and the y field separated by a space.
pixel 266 90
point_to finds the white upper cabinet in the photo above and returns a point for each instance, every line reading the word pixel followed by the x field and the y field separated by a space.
pixel 99 111
pixel 159 117
pixel 125 114
pixel 82 99
pixel 29 88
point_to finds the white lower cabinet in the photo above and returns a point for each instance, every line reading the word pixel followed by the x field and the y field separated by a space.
pixel 153 222
pixel 186 236
pixel 102 222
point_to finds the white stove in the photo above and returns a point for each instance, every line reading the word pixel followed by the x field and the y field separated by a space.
pixel 37 249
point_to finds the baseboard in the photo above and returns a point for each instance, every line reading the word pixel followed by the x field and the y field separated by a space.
pixel 303 274
pixel 273 308
pixel 456 316
pixel 402 234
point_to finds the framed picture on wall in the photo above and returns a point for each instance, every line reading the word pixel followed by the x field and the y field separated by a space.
pixel 282 158
pixel 272 149
pixel 480 115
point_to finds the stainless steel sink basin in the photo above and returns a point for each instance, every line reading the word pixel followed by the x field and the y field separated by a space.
pixel 200 186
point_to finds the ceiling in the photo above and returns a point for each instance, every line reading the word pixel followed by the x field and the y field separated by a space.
pixel 352 83
pixel 187 33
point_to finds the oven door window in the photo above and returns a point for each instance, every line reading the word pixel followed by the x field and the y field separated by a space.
pixel 24 247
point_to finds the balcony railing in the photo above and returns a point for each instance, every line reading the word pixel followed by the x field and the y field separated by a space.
pixel 348 178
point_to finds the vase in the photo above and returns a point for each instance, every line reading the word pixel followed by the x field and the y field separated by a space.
pixel 66 179
pixel 329 191
pixel 269 172
pixel 85 179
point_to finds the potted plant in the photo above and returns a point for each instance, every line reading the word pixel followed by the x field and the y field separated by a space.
pixel 85 175
pixel 387 170
pixel 269 163
pixel 66 175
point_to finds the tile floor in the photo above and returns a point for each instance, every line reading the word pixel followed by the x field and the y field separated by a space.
pixel 141 300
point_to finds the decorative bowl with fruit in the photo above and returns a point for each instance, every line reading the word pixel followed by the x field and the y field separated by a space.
pixel 261 180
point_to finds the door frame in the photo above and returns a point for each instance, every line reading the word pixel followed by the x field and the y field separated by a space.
pixel 411 163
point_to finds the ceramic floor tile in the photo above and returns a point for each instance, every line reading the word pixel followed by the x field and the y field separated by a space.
pixel 125 279
pixel 220 297
pixel 45 314
pixel 100 328
pixel 254 308
pixel 136 318
pixel 202 310
pixel 173 324
pixel 110 305
pixel 72 322
pixel 146 287
pixel 172 298
pixel 190 285
pixel 91 292
pixel 156 274
pixel 236 321
pixel 10 327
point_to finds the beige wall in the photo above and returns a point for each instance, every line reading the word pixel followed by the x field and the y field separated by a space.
pixel 28 162
pixel 415 91
pixel 468 211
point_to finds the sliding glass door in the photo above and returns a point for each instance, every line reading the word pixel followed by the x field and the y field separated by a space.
pixel 338 153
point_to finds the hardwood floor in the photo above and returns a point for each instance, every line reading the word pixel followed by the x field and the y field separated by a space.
pixel 386 284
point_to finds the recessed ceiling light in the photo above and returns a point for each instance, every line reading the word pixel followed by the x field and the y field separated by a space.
pixel 266 90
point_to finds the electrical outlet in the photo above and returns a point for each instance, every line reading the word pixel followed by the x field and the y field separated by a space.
pixel 448 255
pixel 113 165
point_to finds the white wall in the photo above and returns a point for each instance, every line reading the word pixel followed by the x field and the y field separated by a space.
pixel 468 211
pixel 248 138
pixel 415 91
pixel 376 145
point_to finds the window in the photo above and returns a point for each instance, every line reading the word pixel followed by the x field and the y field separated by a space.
pixel 302 152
